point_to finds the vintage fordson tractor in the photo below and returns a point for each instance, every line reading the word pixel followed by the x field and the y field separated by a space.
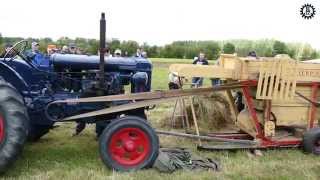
pixel 26 89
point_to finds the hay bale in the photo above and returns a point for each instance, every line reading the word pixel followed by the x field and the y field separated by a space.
pixel 212 111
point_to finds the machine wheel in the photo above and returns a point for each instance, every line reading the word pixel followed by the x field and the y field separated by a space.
pixel 311 141
pixel 101 125
pixel 13 124
pixel 129 144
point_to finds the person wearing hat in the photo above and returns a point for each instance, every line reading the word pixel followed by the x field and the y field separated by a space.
pixel 65 50
pixel 36 57
pixel 72 48
pixel 117 53
pixel 6 53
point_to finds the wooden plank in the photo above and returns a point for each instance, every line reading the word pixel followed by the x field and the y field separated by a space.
pixel 151 95
pixel 271 83
pixel 194 117
pixel 114 109
pixel 206 71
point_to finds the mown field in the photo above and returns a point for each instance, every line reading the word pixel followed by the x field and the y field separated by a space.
pixel 58 155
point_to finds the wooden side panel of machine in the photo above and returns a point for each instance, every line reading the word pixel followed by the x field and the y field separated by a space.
pixel 191 70
pixel 277 79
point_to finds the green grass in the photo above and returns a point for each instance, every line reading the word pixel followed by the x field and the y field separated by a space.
pixel 58 155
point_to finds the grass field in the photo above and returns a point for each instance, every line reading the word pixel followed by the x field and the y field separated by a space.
pixel 60 156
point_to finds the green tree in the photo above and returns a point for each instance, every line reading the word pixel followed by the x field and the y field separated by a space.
pixel 229 48
pixel 279 48
pixel 93 46
pixel 115 44
pixel 129 46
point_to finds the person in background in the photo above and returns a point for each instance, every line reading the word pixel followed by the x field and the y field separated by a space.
pixel 126 54
pixel 72 48
pixel 6 53
pixel 174 82
pixel 138 53
pixel 144 54
pixel 65 49
pixel 51 49
pixel 117 53
pixel 201 60
pixel 252 55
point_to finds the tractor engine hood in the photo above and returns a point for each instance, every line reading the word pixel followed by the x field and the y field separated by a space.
pixel 85 62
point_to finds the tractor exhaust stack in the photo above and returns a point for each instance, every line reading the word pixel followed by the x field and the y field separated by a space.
pixel 102 49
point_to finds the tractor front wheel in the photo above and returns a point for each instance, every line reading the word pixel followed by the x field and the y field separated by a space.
pixel 13 124
pixel 311 141
pixel 129 144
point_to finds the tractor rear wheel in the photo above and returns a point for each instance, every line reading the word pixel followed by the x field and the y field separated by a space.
pixel 13 124
pixel 311 141
pixel 129 144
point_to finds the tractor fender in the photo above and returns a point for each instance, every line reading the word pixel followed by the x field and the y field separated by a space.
pixel 13 77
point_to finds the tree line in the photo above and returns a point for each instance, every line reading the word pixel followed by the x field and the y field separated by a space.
pixel 184 49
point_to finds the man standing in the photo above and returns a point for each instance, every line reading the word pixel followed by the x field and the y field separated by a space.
pixel 201 60
pixel 138 53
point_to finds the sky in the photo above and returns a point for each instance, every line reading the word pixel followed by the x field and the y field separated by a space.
pixel 159 22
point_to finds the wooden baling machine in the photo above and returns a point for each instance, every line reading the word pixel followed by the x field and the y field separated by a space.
pixel 280 95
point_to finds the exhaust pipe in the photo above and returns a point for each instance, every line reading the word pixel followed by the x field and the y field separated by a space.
pixel 102 51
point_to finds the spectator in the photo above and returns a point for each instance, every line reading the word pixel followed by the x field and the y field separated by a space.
pixel 174 82
pixel 117 53
pixel 138 53
pixel 65 50
pixel 144 54
pixel 201 60
pixel 72 49
pixel 51 49
pixel 6 53
pixel 106 54
pixel 252 55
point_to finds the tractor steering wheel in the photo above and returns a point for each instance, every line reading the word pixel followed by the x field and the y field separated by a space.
pixel 15 50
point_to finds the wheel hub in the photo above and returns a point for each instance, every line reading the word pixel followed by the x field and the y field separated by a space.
pixel 129 146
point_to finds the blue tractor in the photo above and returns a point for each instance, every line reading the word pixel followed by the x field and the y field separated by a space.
pixel 127 141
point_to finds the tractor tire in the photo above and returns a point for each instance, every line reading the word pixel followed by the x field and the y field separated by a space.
pixel 37 131
pixel 129 144
pixel 311 141
pixel 13 124
pixel 101 125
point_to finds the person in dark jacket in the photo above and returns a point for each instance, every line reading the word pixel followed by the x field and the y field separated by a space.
pixel 201 60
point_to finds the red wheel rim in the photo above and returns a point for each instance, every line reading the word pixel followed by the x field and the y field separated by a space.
pixel 1 128
pixel 129 146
